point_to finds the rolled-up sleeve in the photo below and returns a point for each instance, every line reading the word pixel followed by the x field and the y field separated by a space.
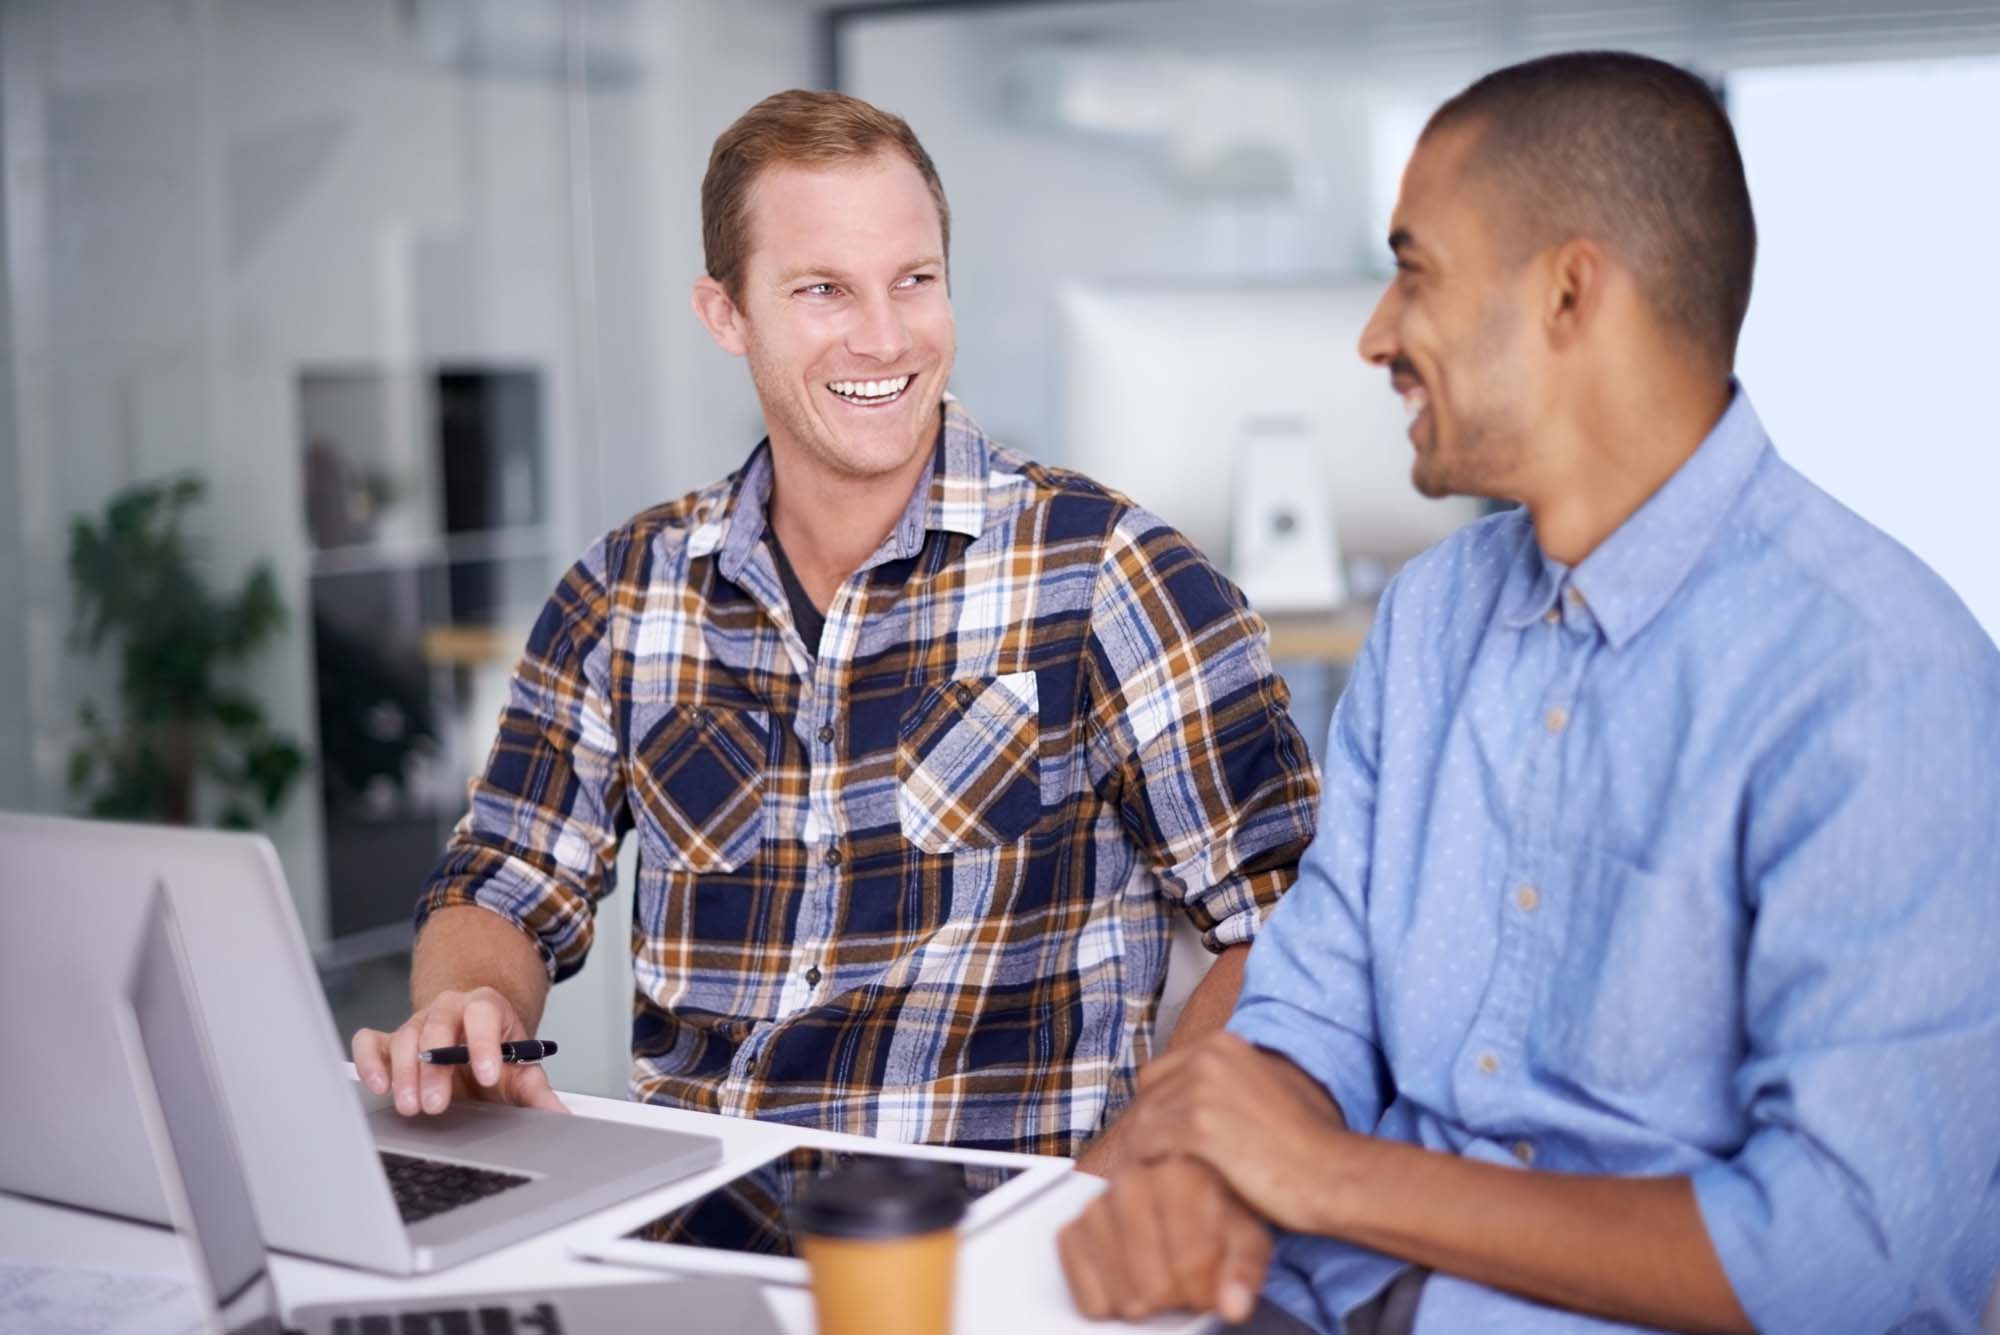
pixel 539 842
pixel 1189 722
pixel 1872 1008
pixel 1308 990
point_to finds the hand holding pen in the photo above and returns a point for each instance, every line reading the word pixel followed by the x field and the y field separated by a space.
pixel 469 1044
pixel 514 1050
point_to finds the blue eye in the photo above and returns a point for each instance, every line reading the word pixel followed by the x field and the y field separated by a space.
pixel 819 290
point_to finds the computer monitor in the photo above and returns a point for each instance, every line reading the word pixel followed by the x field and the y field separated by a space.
pixel 1168 390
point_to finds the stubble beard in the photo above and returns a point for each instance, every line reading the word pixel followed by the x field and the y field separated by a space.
pixel 1487 453
pixel 1480 464
pixel 787 410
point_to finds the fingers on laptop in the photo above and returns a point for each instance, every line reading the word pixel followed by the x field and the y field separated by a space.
pixel 440 1026
pixel 1162 1236
pixel 528 1087
pixel 525 1085
pixel 486 1019
pixel 480 1019
pixel 370 1050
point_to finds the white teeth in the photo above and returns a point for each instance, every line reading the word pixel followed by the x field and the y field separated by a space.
pixel 1414 403
pixel 869 389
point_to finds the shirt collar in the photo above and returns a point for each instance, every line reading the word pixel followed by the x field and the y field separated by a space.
pixel 1630 576
pixel 950 498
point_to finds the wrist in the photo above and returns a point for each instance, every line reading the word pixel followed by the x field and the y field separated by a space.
pixel 1102 1156
pixel 1334 1209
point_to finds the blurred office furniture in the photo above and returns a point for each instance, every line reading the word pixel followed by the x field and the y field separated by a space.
pixel 1331 639
pixel 1283 551
pixel 431 555
pixel 1221 405
pixel 1170 389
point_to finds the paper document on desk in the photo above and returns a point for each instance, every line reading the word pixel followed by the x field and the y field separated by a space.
pixel 70 1300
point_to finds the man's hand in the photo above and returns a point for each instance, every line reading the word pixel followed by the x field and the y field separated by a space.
pixel 481 1020
pixel 1161 1236
pixel 1260 1122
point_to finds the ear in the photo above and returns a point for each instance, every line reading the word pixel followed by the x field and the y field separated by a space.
pixel 718 314
pixel 1578 273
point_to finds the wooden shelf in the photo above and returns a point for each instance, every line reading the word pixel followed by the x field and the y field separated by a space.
pixel 472 645
pixel 1332 637
pixel 1314 637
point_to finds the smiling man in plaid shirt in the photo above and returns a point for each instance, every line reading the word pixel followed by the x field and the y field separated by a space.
pixel 924 742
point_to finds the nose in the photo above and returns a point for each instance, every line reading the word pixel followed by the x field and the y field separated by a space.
pixel 879 331
pixel 1378 341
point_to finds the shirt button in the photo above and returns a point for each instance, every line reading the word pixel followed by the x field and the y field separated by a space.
pixel 826 734
pixel 813 975
pixel 833 855
pixel 700 716
pixel 964 695
pixel 1552 616
pixel 1527 899
pixel 1488 1064
pixel 1556 719
pixel 1524 1151
pixel 1576 595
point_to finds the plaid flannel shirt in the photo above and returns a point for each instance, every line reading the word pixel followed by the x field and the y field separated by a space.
pixel 914 881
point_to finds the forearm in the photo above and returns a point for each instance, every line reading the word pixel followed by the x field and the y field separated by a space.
pixel 463 947
pixel 1627 1249
pixel 1213 998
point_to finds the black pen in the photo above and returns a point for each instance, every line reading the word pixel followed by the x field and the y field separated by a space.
pixel 521 1050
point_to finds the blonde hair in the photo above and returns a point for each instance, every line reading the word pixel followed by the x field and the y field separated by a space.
pixel 797 126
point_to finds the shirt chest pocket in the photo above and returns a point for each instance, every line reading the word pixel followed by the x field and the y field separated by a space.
pixel 697 785
pixel 1643 999
pixel 968 764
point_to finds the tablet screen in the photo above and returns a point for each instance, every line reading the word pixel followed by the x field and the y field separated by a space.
pixel 749 1213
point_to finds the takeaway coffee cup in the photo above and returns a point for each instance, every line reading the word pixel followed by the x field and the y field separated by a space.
pixel 880 1237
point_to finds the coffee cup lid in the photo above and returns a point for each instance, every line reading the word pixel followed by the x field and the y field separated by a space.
pixel 881 1198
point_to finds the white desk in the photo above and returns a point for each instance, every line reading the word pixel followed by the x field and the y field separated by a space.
pixel 1009 1279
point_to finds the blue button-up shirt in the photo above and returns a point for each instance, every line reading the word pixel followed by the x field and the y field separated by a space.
pixel 1682 861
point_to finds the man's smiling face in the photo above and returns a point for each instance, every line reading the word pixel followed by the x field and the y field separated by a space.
pixel 1455 329
pixel 844 313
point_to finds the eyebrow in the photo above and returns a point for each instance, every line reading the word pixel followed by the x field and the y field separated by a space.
pixel 836 274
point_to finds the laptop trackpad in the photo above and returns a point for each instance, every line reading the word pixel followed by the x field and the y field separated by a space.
pixel 455 1133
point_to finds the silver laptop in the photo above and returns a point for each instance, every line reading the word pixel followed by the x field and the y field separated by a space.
pixel 335 1172
pixel 174 1087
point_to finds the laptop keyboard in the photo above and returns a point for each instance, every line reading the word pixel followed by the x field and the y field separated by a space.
pixel 540 1319
pixel 426 1187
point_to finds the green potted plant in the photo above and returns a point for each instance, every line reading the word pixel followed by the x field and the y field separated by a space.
pixel 183 719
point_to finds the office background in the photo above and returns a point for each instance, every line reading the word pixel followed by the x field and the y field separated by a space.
pixel 404 282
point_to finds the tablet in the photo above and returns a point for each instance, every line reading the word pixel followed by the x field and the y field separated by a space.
pixel 740 1227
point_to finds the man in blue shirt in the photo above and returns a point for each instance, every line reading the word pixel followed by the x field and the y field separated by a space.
pixel 1645 970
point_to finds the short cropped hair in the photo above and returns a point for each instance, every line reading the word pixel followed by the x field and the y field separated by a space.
pixel 798 126
pixel 1633 153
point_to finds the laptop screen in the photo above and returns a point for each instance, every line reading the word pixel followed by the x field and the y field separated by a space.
pixel 198 1163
